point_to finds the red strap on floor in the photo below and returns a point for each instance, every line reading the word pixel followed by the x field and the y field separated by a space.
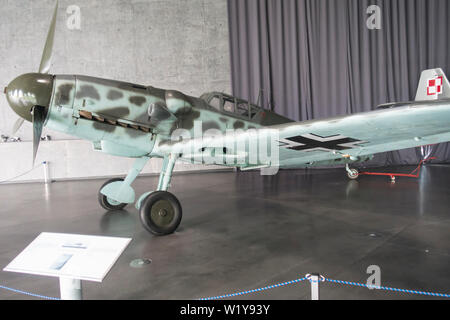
pixel 414 174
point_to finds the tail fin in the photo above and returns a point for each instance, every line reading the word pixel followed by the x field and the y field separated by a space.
pixel 433 85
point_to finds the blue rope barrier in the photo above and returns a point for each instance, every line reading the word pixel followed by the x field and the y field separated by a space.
pixel 444 295
pixel 282 284
pixel 23 174
pixel 323 279
pixel 29 293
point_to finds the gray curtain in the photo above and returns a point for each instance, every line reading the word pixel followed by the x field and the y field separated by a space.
pixel 312 59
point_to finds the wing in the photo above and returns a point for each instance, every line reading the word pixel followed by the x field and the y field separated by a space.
pixel 336 140
pixel 355 137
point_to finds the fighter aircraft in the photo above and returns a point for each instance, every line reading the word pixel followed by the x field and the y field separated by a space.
pixel 139 121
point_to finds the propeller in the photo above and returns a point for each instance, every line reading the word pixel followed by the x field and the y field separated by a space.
pixel 44 67
pixel 29 95
pixel 19 122
pixel 47 54
pixel 39 114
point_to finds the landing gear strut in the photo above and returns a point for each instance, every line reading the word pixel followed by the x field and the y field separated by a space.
pixel 160 211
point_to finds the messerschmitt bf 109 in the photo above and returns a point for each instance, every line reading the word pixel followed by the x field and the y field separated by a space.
pixel 138 121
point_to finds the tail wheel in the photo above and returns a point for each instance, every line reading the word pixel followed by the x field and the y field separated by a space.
pixel 160 213
pixel 107 203
pixel 353 174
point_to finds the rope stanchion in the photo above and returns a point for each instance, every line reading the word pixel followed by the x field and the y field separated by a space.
pixel 315 279
pixel 28 293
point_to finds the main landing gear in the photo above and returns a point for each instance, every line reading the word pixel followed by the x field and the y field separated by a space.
pixel 160 211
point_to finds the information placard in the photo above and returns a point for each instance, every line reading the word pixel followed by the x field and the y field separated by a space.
pixel 70 256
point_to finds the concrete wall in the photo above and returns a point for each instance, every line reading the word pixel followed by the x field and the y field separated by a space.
pixel 80 161
pixel 176 44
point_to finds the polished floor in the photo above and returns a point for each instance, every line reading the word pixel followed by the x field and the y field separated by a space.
pixel 242 231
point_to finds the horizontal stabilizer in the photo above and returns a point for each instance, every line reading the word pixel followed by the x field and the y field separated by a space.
pixel 433 85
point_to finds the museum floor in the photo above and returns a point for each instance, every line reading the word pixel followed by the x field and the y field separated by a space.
pixel 242 231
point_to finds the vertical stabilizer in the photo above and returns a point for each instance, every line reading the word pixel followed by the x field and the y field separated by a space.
pixel 433 85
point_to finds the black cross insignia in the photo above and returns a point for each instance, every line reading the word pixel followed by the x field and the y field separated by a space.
pixel 313 142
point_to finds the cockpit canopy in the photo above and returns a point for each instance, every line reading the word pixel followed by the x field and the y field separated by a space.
pixel 229 104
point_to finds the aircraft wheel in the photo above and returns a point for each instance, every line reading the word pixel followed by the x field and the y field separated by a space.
pixel 161 213
pixel 353 174
pixel 107 203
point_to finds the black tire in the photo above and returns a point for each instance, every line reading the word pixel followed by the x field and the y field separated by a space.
pixel 103 200
pixel 160 213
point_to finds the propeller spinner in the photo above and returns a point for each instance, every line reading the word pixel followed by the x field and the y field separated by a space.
pixel 29 94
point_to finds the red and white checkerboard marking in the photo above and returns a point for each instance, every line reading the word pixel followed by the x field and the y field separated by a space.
pixel 435 86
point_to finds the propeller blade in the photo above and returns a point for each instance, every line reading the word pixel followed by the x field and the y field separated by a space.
pixel 38 125
pixel 17 125
pixel 47 54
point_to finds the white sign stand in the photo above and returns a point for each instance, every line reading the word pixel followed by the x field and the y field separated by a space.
pixel 70 289
pixel 71 258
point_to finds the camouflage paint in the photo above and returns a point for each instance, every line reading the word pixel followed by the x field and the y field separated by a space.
pixel 114 95
pixel 64 114
pixel 86 91
pixel 138 100
pixel 63 93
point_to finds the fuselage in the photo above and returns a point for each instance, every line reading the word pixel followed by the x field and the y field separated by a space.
pixel 115 116
pixel 132 120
